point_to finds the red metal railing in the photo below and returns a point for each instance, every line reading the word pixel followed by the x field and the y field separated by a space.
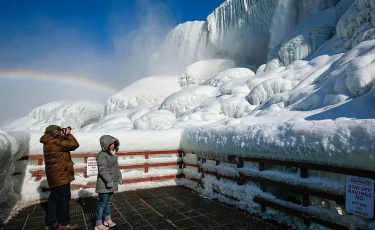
pixel 39 173
pixel 263 182
pixel 241 179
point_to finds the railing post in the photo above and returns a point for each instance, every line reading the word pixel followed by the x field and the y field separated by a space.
pixel 181 154
pixel 262 186
pixel 40 172
pixel 240 179
pixel 304 173
pixel 85 172
pixel 217 174
pixel 146 163
pixel 201 169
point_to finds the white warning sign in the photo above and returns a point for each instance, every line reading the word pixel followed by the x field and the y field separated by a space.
pixel 360 196
pixel 92 168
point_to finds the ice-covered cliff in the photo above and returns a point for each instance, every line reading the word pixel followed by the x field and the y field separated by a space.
pixel 248 30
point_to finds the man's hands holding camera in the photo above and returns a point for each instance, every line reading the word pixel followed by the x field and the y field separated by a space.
pixel 66 130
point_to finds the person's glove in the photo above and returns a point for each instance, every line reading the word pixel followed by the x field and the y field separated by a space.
pixel 110 184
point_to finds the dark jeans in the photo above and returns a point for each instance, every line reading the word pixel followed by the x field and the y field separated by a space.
pixel 58 208
pixel 104 207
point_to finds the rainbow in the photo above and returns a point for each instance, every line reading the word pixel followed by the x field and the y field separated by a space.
pixel 56 78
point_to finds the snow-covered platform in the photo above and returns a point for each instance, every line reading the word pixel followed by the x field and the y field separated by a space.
pixel 160 208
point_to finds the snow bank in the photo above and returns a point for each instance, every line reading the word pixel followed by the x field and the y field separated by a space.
pixel 342 142
pixel 75 114
pixel 147 92
pixel 130 140
pixel 6 167
pixel 12 146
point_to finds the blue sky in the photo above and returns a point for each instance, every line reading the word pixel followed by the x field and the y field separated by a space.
pixel 94 20
pixel 95 39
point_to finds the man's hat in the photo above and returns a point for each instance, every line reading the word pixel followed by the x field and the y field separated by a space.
pixel 52 128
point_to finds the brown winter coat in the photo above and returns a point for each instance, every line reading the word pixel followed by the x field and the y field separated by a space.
pixel 58 161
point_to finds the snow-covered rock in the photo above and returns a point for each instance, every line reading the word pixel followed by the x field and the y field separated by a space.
pixel 119 122
pixel 227 75
pixel 360 74
pixel 198 72
pixel 159 119
pixel 181 102
pixel 236 107
pixel 148 92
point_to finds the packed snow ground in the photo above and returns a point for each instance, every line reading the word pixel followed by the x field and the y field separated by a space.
pixel 312 99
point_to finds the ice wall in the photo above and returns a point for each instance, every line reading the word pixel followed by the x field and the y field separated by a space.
pixel 246 31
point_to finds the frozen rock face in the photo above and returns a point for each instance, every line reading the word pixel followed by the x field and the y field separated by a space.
pixel 147 92
pixel 75 114
pixel 357 24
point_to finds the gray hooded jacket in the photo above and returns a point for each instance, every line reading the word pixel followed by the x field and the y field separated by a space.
pixel 109 174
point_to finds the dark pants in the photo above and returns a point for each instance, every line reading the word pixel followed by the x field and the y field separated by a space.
pixel 58 208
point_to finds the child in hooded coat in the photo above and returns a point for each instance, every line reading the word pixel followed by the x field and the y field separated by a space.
pixel 109 177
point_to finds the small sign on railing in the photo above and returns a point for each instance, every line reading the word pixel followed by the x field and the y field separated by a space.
pixel 92 168
pixel 360 196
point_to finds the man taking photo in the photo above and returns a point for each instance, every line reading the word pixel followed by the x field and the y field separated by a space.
pixel 57 144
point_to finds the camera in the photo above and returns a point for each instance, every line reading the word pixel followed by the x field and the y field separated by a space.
pixel 64 129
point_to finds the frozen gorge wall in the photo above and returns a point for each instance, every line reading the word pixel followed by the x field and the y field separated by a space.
pixel 247 30
pixel 357 24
